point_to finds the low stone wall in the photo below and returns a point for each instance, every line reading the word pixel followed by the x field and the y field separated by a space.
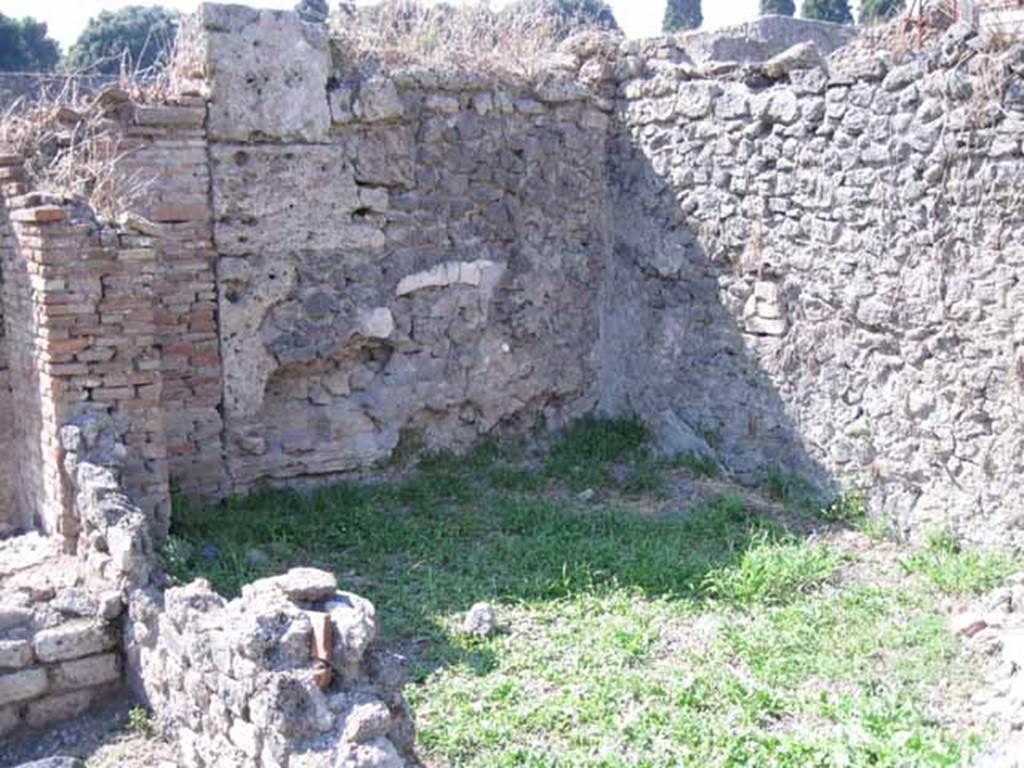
pixel 755 41
pixel 59 636
pixel 285 675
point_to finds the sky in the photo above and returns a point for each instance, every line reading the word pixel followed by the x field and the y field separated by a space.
pixel 639 18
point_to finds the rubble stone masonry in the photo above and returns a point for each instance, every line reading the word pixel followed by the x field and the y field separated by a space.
pixel 777 264
pixel 781 265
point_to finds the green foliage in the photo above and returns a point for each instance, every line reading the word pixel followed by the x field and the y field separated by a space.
pixel 682 15
pixel 957 570
pixel 135 38
pixel 880 10
pixel 25 46
pixel 313 11
pixel 772 572
pixel 139 722
pixel 849 507
pixel 696 465
pixel 778 7
pixel 623 645
pixel 837 11
pixel 789 488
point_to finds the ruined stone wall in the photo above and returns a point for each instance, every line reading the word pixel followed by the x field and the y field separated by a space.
pixel 287 674
pixel 822 272
pixel 410 255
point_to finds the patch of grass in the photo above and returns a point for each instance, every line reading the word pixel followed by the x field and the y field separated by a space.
pixel 791 489
pixel 850 506
pixel 772 572
pixel 582 456
pixel 954 569
pixel 708 637
pixel 696 465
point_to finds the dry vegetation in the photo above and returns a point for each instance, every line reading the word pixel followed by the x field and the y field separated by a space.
pixel 400 33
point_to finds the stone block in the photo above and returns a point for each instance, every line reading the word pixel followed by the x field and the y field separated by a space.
pixel 86 673
pixel 53 709
pixel 73 640
pixel 267 72
pixel 15 654
pixel 20 686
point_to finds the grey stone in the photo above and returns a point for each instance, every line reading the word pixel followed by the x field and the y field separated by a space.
pixel 800 56
pixel 268 73
pixel 23 685
pixel 379 100
pixel 15 654
pixel 481 620
pixel 55 762
pixel 73 640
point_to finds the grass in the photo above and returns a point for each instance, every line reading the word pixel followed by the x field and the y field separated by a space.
pixel 706 636
pixel 953 569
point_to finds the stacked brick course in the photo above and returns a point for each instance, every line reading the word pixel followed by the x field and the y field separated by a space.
pixel 84 320
pixel 12 514
pixel 165 150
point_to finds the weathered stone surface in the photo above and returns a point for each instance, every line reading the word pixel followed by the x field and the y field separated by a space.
pixel 305 585
pixel 87 672
pixel 481 620
pixel 800 56
pixel 19 686
pixel 55 762
pixel 257 700
pixel 73 640
pixel 267 73
pixel 15 654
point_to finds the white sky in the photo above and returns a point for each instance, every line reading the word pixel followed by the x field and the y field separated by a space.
pixel 66 18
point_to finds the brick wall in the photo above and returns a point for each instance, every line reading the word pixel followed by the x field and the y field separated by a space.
pixel 166 150
pixel 12 515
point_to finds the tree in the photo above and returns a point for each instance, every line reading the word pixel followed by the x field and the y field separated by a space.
pixel 138 37
pixel 682 14
pixel 880 10
pixel 778 7
pixel 26 47
pixel 837 11
pixel 313 11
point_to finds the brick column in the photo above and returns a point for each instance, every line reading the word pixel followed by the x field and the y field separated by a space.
pixel 85 302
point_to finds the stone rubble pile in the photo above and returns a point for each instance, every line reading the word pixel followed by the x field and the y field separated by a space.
pixel 285 675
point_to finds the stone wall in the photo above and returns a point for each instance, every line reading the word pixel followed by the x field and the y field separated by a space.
pixel 822 272
pixel 417 254
pixel 772 263
pixel 58 637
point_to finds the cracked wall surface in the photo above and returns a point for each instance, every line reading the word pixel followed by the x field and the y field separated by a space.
pixel 423 257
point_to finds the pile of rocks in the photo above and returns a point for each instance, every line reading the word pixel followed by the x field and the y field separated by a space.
pixel 994 627
pixel 58 636
pixel 285 675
